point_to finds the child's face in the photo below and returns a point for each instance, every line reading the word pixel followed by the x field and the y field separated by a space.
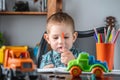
pixel 54 37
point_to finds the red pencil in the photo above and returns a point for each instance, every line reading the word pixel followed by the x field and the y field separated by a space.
pixel 63 41
pixel 116 36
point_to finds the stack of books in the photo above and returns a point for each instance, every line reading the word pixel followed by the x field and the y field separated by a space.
pixel 42 5
pixel 2 5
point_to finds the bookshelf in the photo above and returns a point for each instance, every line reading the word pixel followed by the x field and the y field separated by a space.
pixel 53 6
pixel 23 13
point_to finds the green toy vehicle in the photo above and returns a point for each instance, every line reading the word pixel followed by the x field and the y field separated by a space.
pixel 87 63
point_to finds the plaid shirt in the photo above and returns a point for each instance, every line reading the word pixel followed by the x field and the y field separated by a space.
pixel 53 57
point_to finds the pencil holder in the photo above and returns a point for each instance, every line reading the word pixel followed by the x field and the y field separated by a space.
pixel 105 52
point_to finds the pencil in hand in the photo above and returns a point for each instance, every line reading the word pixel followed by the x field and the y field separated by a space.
pixel 63 40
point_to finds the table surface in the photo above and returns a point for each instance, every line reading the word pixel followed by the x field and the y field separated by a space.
pixel 50 76
pixel 82 77
pixel 44 75
pixel 63 75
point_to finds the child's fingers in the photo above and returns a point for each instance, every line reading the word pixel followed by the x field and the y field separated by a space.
pixel 64 60
pixel 64 49
pixel 65 52
pixel 49 66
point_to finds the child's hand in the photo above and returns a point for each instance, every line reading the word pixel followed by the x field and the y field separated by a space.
pixel 66 56
pixel 49 66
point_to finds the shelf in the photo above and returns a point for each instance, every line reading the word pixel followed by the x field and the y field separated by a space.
pixel 23 13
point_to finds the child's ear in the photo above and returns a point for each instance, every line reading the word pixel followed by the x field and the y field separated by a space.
pixel 75 36
pixel 46 37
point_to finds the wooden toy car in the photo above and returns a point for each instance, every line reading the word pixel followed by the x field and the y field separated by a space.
pixel 15 62
pixel 87 63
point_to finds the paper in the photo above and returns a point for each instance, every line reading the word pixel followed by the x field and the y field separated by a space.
pixel 53 70
pixel 113 72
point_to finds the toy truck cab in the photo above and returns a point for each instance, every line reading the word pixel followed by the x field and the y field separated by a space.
pixel 86 63
pixel 18 60
pixel 17 63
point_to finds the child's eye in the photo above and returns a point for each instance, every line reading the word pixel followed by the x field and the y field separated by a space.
pixel 55 38
pixel 66 37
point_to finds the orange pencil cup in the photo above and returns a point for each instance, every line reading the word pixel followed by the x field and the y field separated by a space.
pixel 105 52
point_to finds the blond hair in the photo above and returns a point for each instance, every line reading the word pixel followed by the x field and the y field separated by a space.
pixel 61 17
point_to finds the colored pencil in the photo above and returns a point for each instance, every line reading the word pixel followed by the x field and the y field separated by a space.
pixel 63 41
pixel 116 36
pixel 107 35
pixel 96 34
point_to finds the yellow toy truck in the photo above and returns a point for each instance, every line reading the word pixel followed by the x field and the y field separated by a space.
pixel 15 62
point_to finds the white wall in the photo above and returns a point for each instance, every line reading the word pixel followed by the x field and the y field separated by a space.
pixel 92 13
pixel 22 29
pixel 27 30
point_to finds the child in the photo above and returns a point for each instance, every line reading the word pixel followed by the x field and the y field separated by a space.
pixel 60 35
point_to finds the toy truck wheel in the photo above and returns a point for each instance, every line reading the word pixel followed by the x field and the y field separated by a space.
pixel 98 72
pixel 75 71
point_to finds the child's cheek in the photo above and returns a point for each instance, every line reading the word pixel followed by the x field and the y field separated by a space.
pixel 54 45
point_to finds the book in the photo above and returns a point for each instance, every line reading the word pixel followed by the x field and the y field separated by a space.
pixel 53 70
pixel 3 5
pixel 0 5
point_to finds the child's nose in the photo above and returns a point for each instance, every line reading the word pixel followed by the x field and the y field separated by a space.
pixel 60 41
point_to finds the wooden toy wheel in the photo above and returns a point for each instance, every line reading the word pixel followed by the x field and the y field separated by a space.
pixel 75 71
pixel 98 72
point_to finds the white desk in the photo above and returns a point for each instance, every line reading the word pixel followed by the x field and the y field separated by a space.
pixel 62 74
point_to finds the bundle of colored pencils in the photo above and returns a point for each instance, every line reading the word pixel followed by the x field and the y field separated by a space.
pixel 110 35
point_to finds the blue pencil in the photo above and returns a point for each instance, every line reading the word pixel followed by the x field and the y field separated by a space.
pixel 96 39
pixel 96 35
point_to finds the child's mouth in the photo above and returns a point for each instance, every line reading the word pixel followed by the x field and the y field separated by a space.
pixel 61 49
